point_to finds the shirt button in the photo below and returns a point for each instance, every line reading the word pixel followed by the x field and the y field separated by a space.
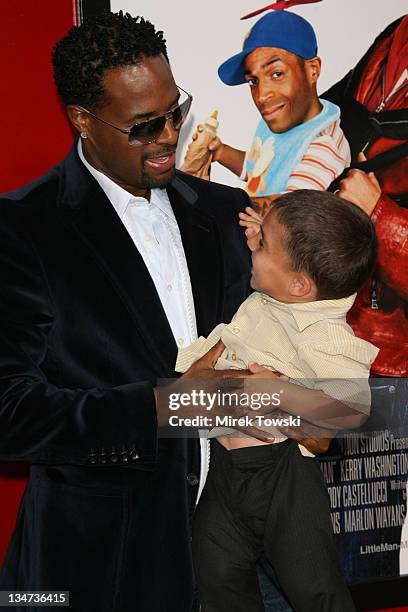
pixel 169 287
pixel 235 330
pixel 233 356
pixel 192 479
pixel 147 238
pixel 180 341
pixel 264 301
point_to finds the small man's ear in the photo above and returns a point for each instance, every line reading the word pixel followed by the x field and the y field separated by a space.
pixel 313 67
pixel 79 119
pixel 302 286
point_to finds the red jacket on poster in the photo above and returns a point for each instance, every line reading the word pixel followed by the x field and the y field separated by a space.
pixel 379 84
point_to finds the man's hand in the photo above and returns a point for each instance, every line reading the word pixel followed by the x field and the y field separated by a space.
pixel 360 188
pixel 317 446
pixel 316 439
pixel 213 382
pixel 204 367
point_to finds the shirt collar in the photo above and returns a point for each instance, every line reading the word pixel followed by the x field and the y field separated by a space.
pixel 122 199
pixel 307 313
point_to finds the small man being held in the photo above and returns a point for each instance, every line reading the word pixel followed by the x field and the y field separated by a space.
pixel 311 254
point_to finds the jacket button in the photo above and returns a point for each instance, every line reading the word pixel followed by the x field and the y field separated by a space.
pixel 92 456
pixel 192 479
pixel 134 456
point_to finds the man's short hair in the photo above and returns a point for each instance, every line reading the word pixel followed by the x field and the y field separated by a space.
pixel 101 43
pixel 329 238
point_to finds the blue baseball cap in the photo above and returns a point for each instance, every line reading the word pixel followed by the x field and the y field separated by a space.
pixel 279 29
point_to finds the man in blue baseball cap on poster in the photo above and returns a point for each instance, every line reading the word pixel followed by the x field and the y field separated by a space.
pixel 298 143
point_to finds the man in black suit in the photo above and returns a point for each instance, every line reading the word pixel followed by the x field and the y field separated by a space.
pixel 107 263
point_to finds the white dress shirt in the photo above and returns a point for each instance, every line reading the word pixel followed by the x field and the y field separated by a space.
pixel 156 235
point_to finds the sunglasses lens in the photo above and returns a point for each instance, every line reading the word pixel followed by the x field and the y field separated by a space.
pixel 148 131
pixel 180 113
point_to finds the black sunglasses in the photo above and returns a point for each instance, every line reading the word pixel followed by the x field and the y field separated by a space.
pixel 146 132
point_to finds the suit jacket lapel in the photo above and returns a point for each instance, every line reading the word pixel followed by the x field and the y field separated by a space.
pixel 202 247
pixel 101 230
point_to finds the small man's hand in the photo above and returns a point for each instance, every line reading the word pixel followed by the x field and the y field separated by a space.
pixel 253 238
pixel 360 188
pixel 250 219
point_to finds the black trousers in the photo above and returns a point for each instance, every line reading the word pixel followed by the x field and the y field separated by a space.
pixel 266 500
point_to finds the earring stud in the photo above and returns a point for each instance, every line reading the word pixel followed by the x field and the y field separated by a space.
pixel 84 135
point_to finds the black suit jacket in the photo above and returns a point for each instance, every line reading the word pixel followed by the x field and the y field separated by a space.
pixel 83 340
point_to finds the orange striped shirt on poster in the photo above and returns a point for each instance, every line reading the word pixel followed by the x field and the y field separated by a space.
pixel 326 158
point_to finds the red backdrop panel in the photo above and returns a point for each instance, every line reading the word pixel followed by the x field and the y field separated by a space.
pixel 35 135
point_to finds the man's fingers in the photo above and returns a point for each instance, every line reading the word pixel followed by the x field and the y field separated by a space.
pixel 250 212
pixel 317 446
pixel 215 353
pixel 255 368
pixel 261 372
pixel 252 225
pixel 233 373
pixel 250 232
pixel 250 221
pixel 208 361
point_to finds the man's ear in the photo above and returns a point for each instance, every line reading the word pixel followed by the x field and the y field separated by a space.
pixel 79 118
pixel 302 286
pixel 313 67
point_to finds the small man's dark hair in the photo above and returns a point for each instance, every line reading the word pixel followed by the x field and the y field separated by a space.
pixel 330 239
pixel 101 43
